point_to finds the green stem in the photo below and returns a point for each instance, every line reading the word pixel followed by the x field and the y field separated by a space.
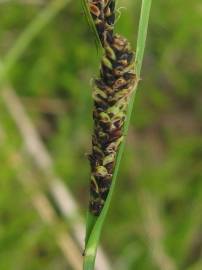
pixel 29 34
pixel 94 225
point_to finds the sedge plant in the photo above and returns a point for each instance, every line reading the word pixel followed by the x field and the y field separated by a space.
pixel 113 95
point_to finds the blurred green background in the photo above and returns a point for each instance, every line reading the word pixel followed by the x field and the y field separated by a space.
pixel 155 220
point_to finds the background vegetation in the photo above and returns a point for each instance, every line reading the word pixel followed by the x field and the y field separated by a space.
pixel 155 219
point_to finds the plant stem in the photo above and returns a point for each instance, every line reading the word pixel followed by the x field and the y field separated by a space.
pixel 94 225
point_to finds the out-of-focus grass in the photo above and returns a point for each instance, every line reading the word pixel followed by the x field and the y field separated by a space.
pixel 164 148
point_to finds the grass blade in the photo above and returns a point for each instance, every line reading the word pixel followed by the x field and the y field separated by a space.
pixel 94 224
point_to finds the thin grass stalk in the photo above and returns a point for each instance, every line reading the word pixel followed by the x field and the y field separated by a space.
pixel 94 224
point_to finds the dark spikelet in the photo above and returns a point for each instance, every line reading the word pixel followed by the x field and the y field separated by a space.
pixel 103 14
pixel 111 94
